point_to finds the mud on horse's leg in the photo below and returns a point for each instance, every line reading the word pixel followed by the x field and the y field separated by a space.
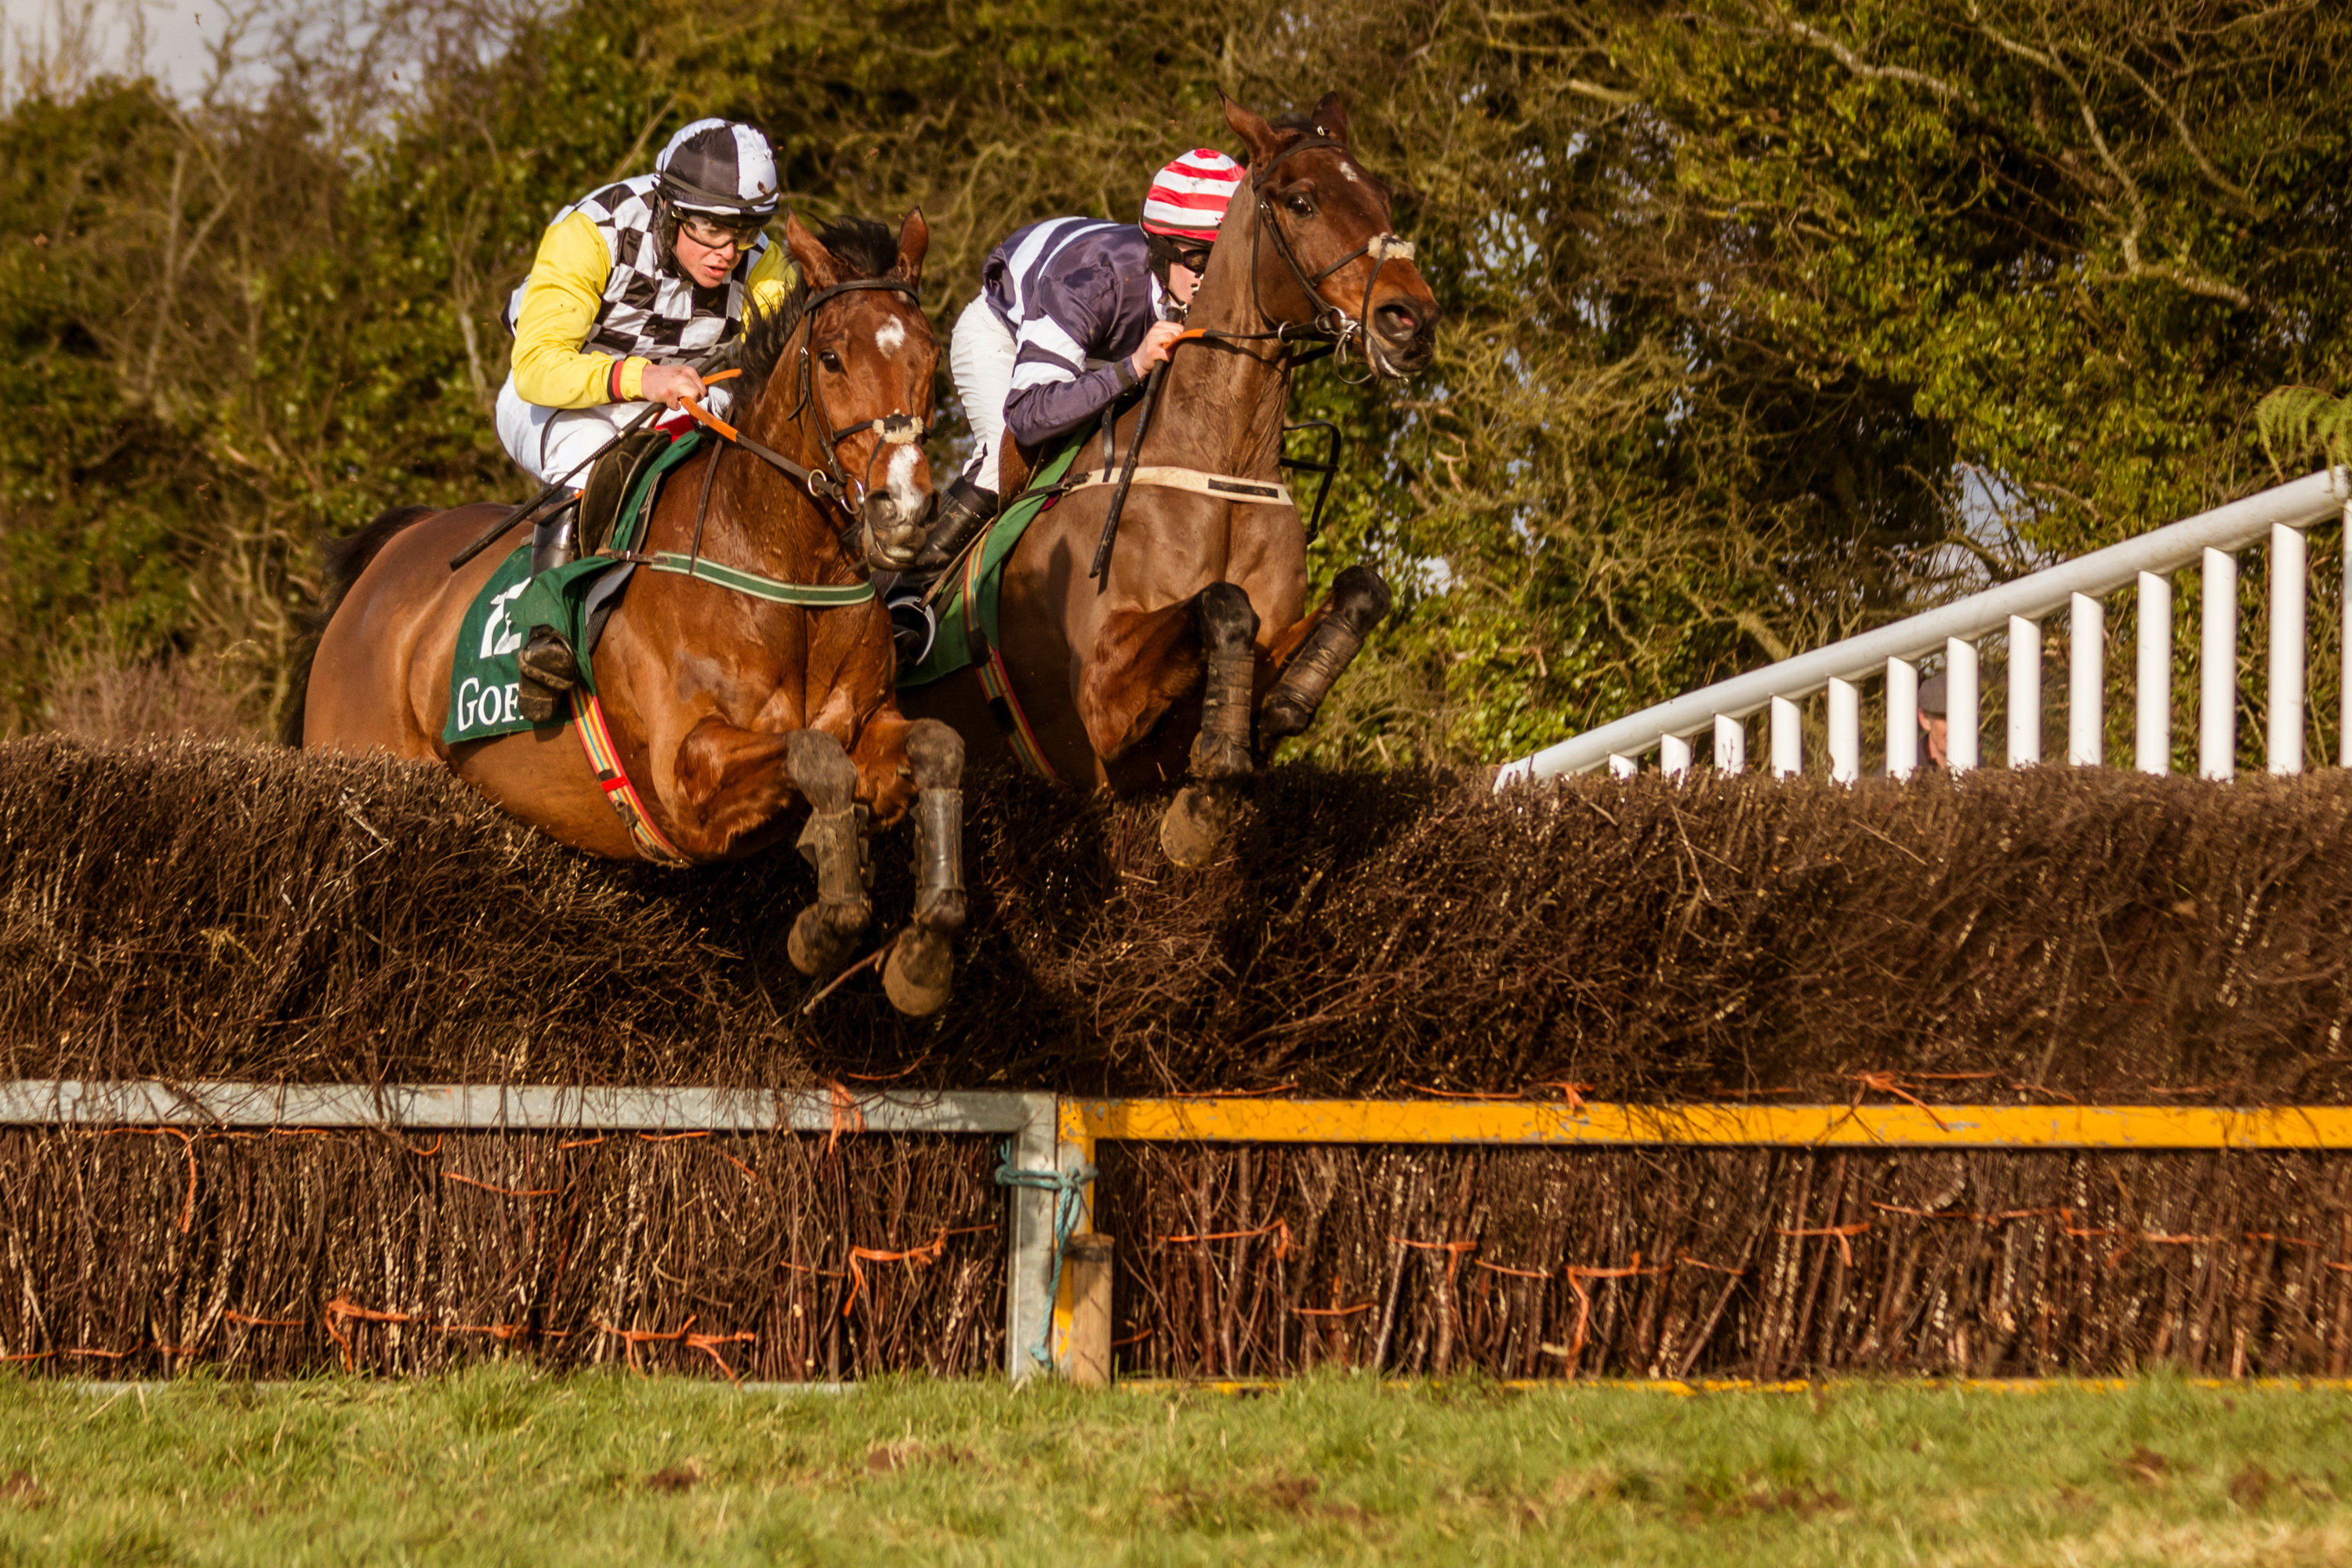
pixel 921 967
pixel 1359 601
pixel 834 842
pixel 1194 829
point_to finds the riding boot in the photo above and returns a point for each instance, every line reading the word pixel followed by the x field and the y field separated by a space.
pixel 965 510
pixel 548 668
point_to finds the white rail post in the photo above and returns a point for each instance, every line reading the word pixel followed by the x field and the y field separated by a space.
pixel 2152 743
pixel 2024 691
pixel 1788 740
pixel 1901 718
pixel 2285 750
pixel 2344 641
pixel 1845 731
pixel 2086 681
pixel 1624 766
pixel 2217 669
pixel 1673 755
pixel 1730 745
pixel 1961 736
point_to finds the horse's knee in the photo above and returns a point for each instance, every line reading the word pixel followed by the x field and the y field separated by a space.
pixel 1227 619
pixel 934 754
pixel 820 769
pixel 1360 599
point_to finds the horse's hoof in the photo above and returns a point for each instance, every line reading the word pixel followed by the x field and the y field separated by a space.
pixel 919 971
pixel 815 947
pixel 1193 830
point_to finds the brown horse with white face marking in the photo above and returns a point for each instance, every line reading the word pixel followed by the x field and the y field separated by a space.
pixel 728 711
pixel 1195 654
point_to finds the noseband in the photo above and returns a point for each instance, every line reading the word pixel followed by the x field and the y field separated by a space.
pixel 1331 324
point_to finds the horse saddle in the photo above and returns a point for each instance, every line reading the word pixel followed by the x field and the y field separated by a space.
pixel 612 481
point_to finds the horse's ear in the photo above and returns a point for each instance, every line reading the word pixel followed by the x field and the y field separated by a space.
pixel 1260 138
pixel 1331 117
pixel 913 238
pixel 818 269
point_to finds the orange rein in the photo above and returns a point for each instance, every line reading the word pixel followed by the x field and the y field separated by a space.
pixel 725 430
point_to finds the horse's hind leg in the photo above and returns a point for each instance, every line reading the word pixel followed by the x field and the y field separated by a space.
pixel 1359 601
pixel 834 842
pixel 920 968
pixel 1196 824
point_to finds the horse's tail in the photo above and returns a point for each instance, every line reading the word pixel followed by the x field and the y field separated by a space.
pixel 346 558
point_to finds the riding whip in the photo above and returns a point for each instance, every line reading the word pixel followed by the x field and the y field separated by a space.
pixel 1126 472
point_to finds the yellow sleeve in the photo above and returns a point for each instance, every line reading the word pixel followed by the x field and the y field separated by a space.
pixel 773 277
pixel 560 301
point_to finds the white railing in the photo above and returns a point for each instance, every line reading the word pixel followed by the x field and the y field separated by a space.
pixel 2209 540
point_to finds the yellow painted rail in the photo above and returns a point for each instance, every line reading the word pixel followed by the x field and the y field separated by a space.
pixel 1607 1124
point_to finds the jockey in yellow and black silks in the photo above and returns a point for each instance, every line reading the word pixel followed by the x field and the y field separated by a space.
pixel 634 285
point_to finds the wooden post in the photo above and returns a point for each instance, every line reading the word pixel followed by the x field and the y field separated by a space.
pixel 1088 1262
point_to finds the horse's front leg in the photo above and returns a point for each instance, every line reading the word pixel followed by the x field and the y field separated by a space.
pixel 920 969
pixel 1308 661
pixel 732 782
pixel 1198 819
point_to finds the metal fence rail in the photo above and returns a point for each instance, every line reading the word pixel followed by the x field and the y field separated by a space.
pixel 1063 1133
pixel 2210 542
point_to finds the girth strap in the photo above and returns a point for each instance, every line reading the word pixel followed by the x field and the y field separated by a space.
pixel 1223 487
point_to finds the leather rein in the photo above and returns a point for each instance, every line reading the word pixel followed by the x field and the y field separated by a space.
pixel 828 485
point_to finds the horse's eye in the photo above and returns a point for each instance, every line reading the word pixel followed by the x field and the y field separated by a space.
pixel 1301 204
pixel 830 360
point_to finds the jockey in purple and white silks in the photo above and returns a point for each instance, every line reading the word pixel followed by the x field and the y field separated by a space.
pixel 1071 312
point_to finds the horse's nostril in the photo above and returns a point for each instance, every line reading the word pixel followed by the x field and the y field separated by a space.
pixel 1398 321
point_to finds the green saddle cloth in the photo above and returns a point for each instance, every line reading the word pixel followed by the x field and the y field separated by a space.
pixel 486 668
pixel 966 607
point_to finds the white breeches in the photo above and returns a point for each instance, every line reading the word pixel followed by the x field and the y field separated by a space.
pixel 980 355
pixel 550 443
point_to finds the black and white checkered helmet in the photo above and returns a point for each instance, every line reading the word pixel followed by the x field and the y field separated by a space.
pixel 719 167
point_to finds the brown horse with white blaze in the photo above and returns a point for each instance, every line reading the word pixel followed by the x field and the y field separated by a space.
pixel 738 719
pixel 1195 653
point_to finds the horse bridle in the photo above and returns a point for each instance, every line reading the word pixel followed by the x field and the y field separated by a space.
pixel 1332 324
pixel 831 484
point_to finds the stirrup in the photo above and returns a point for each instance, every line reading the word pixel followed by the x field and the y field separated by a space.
pixel 913 628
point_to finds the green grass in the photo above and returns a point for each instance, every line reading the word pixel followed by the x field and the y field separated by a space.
pixel 497 1467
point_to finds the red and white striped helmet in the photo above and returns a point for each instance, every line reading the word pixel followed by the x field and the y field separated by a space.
pixel 1188 198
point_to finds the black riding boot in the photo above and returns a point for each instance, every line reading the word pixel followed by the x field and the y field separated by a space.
pixel 965 511
pixel 549 667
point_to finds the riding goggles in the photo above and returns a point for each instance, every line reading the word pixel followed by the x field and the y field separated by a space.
pixel 713 233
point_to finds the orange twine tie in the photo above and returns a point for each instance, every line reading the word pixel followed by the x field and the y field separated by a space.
pixel 1843 1233
pixel 1279 1230
pixel 927 1253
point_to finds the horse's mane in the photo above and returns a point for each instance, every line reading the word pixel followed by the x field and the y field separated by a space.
pixel 864 247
